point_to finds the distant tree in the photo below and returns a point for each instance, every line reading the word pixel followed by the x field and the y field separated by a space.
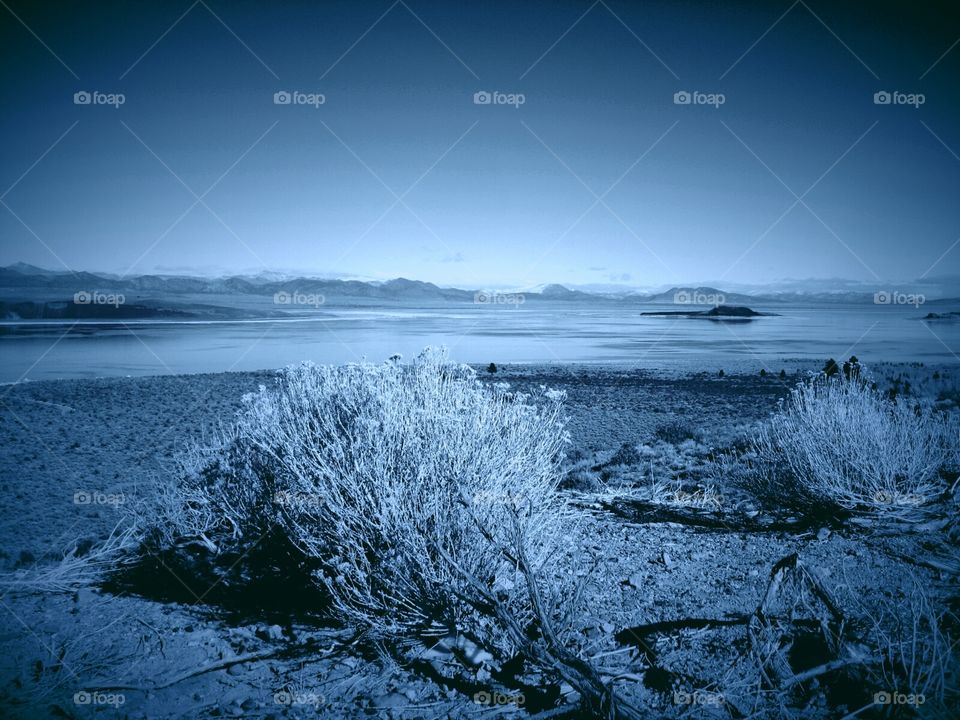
pixel 783 374
pixel 491 368
pixel 852 368
pixel 830 368
pixel 763 372
pixel 720 374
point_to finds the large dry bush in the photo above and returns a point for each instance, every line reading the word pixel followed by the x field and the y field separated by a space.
pixel 427 501
pixel 839 443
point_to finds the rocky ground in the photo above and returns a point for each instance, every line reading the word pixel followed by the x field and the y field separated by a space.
pixel 78 454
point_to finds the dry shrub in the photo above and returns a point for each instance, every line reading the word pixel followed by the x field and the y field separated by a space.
pixel 917 655
pixel 428 500
pixel 840 444
pixel 410 480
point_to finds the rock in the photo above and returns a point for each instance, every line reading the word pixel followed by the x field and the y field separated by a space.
pixel 823 533
pixel 235 669
pixel 635 580
pixel 607 627
pixel 667 560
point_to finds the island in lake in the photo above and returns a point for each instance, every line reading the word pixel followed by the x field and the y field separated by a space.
pixel 721 312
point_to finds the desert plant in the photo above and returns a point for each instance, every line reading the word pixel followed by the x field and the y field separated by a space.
pixel 428 499
pixel 675 432
pixel 839 443
pixel 917 657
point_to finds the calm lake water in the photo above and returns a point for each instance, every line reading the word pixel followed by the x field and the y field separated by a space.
pixel 528 333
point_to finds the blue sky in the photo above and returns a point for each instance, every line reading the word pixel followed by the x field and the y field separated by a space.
pixel 599 176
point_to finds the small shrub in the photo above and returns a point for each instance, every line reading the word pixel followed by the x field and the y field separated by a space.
pixel 491 368
pixel 830 368
pixel 627 454
pixel 675 433
pixel 838 443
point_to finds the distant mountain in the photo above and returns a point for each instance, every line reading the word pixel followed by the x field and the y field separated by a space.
pixel 255 295
pixel 560 292
pixel 698 296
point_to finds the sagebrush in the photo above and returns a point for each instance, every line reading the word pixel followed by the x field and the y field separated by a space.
pixel 839 443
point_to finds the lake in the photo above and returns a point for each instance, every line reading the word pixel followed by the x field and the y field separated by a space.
pixel 534 332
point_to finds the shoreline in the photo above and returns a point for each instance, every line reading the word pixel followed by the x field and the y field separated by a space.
pixel 122 434
pixel 731 366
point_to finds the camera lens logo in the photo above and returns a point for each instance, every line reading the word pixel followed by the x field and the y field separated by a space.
pixel 482 98
pixel 281 98
pixel 681 98
pixel 881 98
pixel 81 98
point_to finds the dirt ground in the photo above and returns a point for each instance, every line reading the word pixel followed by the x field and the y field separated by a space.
pixel 77 454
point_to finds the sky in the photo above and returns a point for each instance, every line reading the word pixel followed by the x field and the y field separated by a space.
pixel 586 166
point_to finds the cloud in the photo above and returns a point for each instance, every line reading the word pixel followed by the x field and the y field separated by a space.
pixel 622 277
pixel 455 258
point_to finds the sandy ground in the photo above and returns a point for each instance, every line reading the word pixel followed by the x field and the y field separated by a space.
pixel 76 454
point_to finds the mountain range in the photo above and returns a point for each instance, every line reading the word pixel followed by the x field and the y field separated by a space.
pixel 29 292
